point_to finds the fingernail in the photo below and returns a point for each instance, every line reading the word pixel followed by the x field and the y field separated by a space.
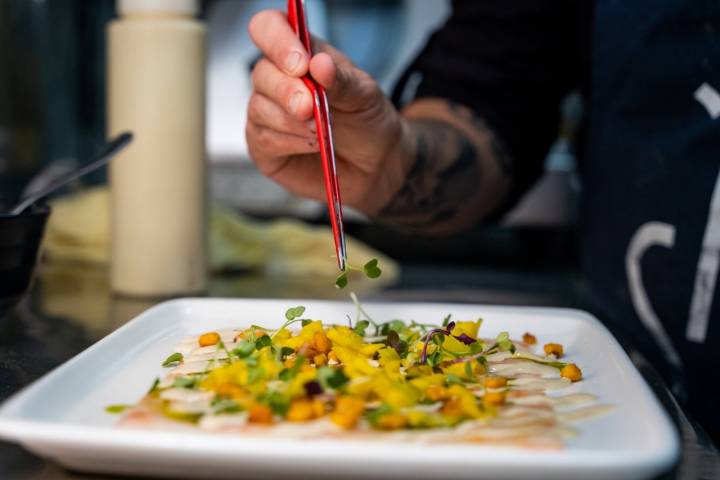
pixel 295 102
pixel 312 127
pixel 292 61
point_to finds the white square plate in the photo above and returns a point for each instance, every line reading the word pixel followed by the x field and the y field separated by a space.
pixel 61 416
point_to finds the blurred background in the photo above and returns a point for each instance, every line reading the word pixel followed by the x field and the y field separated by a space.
pixel 53 114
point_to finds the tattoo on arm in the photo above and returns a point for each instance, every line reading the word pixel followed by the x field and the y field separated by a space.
pixel 460 173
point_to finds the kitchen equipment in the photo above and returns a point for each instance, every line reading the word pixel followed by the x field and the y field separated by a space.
pixel 321 112
pixel 103 156
pixel 62 415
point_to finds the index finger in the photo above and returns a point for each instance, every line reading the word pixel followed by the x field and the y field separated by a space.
pixel 272 34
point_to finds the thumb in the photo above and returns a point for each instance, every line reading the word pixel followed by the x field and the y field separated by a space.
pixel 342 81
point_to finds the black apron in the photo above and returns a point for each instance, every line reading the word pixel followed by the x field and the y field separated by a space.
pixel 651 176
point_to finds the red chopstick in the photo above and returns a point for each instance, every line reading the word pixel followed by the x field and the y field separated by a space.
pixel 321 111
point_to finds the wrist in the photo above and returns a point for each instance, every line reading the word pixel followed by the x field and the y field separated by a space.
pixel 393 169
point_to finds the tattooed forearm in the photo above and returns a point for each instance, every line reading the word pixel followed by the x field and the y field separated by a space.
pixel 459 174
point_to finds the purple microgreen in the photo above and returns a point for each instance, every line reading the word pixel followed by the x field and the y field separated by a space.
pixel 464 338
pixel 428 338
pixel 313 388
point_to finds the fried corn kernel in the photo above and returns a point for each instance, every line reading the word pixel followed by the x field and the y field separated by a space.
pixel 301 410
pixel 555 349
pixel 495 382
pixel 347 411
pixel 392 421
pixel 208 339
pixel 572 372
pixel 321 342
pixel 230 390
pixel 320 359
pixel 452 408
pixel 260 413
pixel 436 392
pixel 529 338
pixel 307 350
pixel 494 398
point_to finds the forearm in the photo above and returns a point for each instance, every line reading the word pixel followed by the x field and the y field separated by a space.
pixel 456 172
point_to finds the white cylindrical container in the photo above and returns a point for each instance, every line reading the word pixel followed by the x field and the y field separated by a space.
pixel 156 89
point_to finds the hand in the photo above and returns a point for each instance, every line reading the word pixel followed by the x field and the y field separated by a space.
pixel 372 145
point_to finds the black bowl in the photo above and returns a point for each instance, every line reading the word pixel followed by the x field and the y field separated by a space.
pixel 20 237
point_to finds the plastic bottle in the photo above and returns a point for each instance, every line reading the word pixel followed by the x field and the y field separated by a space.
pixel 156 89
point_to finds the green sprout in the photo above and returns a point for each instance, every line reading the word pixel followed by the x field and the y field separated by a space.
pixel 370 270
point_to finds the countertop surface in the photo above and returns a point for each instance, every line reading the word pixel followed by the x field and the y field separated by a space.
pixel 70 307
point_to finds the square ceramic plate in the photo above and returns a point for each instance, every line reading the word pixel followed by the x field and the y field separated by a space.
pixel 61 416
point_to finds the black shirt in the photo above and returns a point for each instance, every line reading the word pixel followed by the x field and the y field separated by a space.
pixel 650 213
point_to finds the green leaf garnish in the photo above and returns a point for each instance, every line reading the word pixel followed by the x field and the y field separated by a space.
pixel 244 349
pixel 504 343
pixel 278 403
pixel 371 269
pixel 184 382
pixel 118 408
pixel 286 352
pixel 154 386
pixel 255 374
pixel 263 342
pixel 294 312
pixel 173 359
pixel 434 358
pixel 446 320
pixel 305 322
pixel 331 378
pixel 451 379
pixel 360 327
pixel 225 405
pixel 342 280
pixel 288 374
pixel 468 370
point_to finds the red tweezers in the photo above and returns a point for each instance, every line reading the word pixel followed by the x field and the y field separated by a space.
pixel 321 111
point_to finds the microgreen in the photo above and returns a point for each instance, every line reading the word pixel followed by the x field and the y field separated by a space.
pixel 254 374
pixel 331 378
pixel 312 388
pixel 225 405
pixel 429 337
pixel 433 359
pixel 287 374
pixel 278 403
pixel 154 385
pixel 184 382
pixel 393 340
pixel 342 280
pixel 360 327
pixel 173 360
pixel 374 415
pixel 451 379
pixel 294 312
pixel 504 343
pixel 446 320
pixel 359 310
pixel 243 349
pixel 370 269
pixel 286 352
pixel 263 342
pixel 118 408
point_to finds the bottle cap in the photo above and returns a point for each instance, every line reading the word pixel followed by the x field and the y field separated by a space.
pixel 187 7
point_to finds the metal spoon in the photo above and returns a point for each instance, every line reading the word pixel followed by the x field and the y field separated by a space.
pixel 108 151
